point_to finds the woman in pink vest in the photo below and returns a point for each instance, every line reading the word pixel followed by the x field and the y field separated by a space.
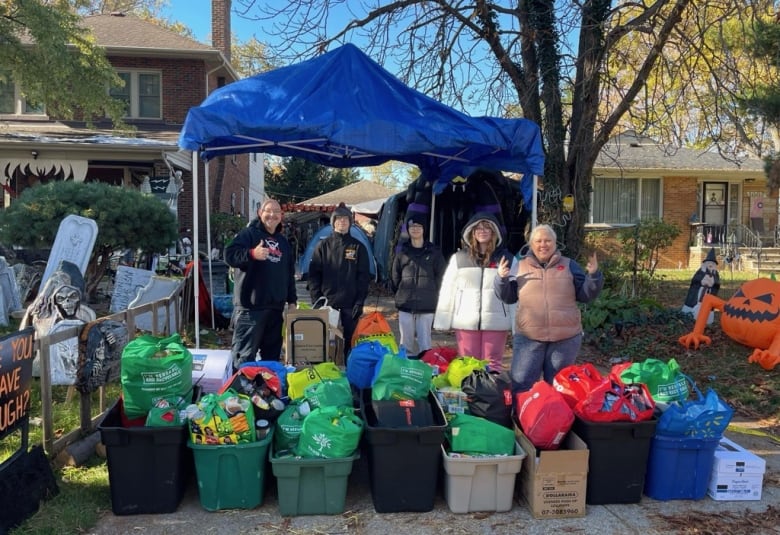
pixel 548 327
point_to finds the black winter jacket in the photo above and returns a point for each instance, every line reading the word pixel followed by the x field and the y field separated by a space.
pixel 340 271
pixel 261 284
pixel 415 277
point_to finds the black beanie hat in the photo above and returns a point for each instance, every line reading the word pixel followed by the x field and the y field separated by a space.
pixel 341 210
pixel 418 218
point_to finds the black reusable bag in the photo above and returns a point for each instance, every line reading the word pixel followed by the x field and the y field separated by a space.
pixel 489 396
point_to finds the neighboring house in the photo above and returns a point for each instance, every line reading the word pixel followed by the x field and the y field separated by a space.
pixel 714 201
pixel 308 216
pixel 166 74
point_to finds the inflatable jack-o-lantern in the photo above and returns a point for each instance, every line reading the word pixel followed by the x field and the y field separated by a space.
pixel 751 317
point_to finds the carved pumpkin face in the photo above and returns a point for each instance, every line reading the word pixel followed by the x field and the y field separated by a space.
pixel 752 315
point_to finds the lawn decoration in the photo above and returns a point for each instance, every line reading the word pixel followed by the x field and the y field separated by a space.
pixel 751 317
pixel 705 281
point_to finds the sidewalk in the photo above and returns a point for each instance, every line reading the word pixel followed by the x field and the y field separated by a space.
pixel 359 516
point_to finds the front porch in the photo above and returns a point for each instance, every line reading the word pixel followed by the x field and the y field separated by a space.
pixel 737 247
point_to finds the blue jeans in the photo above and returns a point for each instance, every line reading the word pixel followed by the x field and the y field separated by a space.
pixel 255 330
pixel 532 359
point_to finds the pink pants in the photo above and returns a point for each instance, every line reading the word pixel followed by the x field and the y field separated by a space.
pixel 484 345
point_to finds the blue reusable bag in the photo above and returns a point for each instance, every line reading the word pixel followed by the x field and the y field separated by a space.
pixel 704 417
pixel 361 365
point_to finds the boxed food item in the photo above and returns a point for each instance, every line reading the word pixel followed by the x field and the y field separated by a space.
pixel 453 400
pixel 737 474
pixel 553 482
pixel 211 368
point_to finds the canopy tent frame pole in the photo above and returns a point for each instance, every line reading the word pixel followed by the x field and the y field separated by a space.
pixel 430 223
pixel 534 204
pixel 195 237
pixel 207 180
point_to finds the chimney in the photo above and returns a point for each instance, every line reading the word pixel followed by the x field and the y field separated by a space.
pixel 220 26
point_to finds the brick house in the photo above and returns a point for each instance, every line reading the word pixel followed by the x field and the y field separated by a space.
pixel 713 200
pixel 165 75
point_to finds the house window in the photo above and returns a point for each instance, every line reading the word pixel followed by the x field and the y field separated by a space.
pixel 141 94
pixel 12 102
pixel 625 200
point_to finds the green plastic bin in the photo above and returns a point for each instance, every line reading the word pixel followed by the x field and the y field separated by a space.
pixel 231 476
pixel 311 486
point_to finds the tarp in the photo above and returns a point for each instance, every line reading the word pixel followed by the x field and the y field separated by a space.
pixel 342 109
pixel 324 232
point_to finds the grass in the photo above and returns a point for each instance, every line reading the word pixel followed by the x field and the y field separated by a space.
pixel 753 392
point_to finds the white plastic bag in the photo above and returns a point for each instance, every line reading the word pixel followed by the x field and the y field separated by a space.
pixel 333 314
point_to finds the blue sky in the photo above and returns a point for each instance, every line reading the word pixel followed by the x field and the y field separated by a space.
pixel 196 14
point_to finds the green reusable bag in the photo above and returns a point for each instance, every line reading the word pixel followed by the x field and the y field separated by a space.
pixel 288 427
pixel 475 435
pixel 664 380
pixel 330 433
pixel 329 392
pixel 400 378
pixel 154 368
pixel 166 413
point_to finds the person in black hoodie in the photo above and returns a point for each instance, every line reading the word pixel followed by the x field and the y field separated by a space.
pixel 340 272
pixel 415 278
pixel 264 271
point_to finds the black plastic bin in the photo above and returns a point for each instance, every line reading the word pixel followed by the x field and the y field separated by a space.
pixel 403 463
pixel 148 467
pixel 617 463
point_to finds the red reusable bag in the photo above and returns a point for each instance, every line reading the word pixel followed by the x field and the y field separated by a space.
pixel 614 401
pixel 543 415
pixel 440 357
pixel 576 381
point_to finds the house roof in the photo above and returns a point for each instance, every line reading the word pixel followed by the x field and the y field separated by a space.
pixel 630 152
pixel 120 30
pixel 120 35
pixel 357 192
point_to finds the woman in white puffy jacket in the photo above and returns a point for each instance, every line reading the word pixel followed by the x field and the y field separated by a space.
pixel 467 301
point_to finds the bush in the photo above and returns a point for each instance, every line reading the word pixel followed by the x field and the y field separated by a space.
pixel 126 219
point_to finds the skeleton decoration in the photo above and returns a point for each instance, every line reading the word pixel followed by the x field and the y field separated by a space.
pixel 59 302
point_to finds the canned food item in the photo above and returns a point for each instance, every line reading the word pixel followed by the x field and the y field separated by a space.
pixel 262 427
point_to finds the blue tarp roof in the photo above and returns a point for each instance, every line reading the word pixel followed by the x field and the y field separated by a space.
pixel 342 109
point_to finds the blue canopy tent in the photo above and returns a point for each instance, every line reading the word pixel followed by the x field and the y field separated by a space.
pixel 342 109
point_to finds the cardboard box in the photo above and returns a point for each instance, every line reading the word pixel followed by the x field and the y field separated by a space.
pixel 734 487
pixel 731 458
pixel 211 368
pixel 307 333
pixel 553 483
pixel 737 474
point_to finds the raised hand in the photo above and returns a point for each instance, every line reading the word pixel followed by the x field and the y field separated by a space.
pixel 593 264
pixel 503 267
